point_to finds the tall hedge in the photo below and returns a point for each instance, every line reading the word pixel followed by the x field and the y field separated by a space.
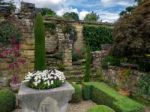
pixel 39 33
pixel 88 58
pixel 96 36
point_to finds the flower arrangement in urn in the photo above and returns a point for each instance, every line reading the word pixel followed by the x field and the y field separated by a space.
pixel 45 79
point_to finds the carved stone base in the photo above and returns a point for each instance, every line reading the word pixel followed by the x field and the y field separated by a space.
pixel 52 100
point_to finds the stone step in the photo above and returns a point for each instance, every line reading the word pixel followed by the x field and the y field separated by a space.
pixel 76 72
pixel 79 62
pixel 75 78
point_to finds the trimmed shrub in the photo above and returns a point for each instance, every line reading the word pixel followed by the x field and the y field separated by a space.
pixel 103 94
pixel 7 100
pixel 100 108
pixel 86 91
pixel 96 36
pixel 87 64
pixel 39 43
pixel 77 96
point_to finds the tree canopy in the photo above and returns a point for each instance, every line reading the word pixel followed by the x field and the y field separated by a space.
pixel 71 16
pixel 47 12
pixel 132 33
pixel 91 17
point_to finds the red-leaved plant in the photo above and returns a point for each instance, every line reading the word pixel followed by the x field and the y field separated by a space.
pixel 12 52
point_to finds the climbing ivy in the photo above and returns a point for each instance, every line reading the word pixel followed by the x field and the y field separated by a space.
pixel 96 36
pixel 8 32
pixel 51 27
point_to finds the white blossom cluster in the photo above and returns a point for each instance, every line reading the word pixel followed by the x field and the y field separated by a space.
pixel 46 77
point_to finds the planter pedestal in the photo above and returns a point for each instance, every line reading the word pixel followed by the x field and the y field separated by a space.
pixel 51 100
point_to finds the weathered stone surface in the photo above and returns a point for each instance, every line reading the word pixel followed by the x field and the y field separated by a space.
pixel 56 99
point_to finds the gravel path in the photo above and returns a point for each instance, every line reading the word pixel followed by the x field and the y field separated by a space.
pixel 80 107
pixel 147 109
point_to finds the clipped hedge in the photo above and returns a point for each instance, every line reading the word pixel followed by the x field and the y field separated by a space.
pixel 7 100
pixel 86 91
pixel 96 36
pixel 77 96
pixel 103 94
pixel 100 108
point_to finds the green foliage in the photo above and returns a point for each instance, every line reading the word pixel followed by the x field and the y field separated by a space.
pixel 7 32
pixel 96 36
pixel 144 64
pixel 103 94
pixel 86 91
pixel 43 86
pixel 61 67
pixel 144 85
pixel 51 27
pixel 91 17
pixel 10 5
pixel 99 74
pixel 77 96
pixel 101 108
pixel 127 11
pixel 39 33
pixel 110 61
pixel 71 16
pixel 47 12
pixel 88 59
pixel 131 34
pixel 7 100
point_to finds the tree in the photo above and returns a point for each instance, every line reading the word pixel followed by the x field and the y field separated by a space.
pixel 47 12
pixel 91 17
pixel 9 5
pixel 129 9
pixel 39 43
pixel 71 16
pixel 131 34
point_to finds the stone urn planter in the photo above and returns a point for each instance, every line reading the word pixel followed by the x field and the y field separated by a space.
pixel 51 100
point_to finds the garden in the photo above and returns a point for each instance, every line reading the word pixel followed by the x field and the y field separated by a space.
pixel 51 63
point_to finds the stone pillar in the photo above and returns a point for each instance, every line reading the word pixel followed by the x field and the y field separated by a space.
pixel 61 38
pixel 79 43
pixel 67 54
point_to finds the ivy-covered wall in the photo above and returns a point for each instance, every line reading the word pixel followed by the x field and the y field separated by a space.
pixel 95 36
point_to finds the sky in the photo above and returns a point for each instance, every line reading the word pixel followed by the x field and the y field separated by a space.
pixel 108 10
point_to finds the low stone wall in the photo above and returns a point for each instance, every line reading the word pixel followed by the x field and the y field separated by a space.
pixel 122 78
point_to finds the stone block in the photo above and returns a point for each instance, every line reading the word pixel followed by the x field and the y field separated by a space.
pixel 51 100
pixel 27 53
pixel 26 46
pixel 4 66
pixel 30 40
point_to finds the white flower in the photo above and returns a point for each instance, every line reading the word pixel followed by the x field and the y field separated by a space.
pixel 46 76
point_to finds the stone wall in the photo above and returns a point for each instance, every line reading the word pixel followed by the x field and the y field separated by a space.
pixel 24 24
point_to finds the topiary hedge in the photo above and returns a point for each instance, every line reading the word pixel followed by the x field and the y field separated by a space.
pixel 103 94
pixel 96 36
pixel 100 108
pixel 7 100
pixel 77 96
